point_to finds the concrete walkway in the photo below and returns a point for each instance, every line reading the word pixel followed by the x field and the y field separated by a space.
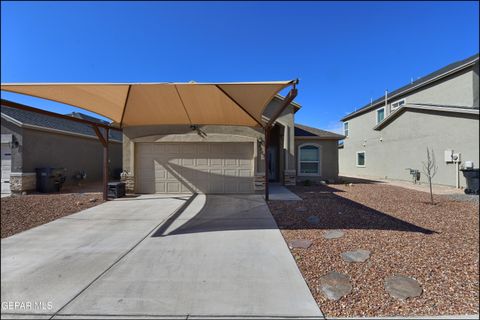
pixel 279 192
pixel 156 257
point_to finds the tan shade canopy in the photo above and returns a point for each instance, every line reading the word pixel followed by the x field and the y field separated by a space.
pixel 164 103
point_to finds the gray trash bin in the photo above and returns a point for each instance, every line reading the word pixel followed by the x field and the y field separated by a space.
pixel 472 177
pixel 50 179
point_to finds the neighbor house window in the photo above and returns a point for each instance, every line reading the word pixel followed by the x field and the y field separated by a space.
pixel 309 160
pixel 380 114
pixel 398 104
pixel 345 129
pixel 361 159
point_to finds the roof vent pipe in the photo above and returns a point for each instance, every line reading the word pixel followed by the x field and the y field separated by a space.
pixel 386 98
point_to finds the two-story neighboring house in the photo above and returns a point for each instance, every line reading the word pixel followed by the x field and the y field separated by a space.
pixel 390 135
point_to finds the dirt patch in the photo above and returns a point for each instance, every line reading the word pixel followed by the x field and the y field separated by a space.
pixel 435 244
pixel 24 212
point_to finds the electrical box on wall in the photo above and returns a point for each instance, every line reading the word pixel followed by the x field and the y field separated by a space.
pixel 449 155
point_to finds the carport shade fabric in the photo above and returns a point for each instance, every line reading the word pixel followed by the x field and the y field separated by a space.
pixel 144 104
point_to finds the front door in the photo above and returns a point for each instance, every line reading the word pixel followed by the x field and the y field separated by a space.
pixel 272 163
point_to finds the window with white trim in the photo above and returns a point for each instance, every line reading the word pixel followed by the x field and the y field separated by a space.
pixel 345 129
pixel 309 160
pixel 398 104
pixel 361 159
pixel 380 114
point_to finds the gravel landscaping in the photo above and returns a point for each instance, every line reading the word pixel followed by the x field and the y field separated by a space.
pixel 20 213
pixel 413 246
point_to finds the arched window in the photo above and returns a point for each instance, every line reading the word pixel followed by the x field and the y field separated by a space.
pixel 309 160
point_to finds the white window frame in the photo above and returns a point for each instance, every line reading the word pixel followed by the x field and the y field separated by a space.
pixel 319 148
pixel 364 159
pixel 376 115
pixel 348 129
pixel 396 102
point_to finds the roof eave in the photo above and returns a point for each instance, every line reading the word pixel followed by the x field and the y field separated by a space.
pixel 419 85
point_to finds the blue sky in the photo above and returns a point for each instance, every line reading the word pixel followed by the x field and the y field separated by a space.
pixel 343 52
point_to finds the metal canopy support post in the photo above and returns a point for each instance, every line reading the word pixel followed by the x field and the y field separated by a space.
pixel 267 143
pixel 104 141
pixel 268 127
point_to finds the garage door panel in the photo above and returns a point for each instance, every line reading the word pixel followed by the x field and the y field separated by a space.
pixel 194 167
pixel 189 161
pixel 244 163
pixel 244 173
pixel 215 162
pixel 160 187
pixel 201 162
pixel 231 162
pixel 202 148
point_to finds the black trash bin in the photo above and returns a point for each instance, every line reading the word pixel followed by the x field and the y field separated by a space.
pixel 50 179
pixel 472 177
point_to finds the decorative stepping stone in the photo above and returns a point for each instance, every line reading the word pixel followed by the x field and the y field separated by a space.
pixel 401 287
pixel 333 234
pixel 359 255
pixel 313 220
pixel 301 243
pixel 335 285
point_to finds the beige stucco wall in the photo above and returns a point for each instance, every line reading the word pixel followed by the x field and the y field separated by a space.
pixel 75 153
pixel 328 159
pixel 402 144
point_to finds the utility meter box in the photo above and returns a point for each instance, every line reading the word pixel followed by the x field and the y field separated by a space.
pixel 449 155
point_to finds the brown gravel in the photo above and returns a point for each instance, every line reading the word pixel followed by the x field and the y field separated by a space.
pixel 435 244
pixel 24 212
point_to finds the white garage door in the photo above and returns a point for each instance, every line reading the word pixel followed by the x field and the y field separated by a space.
pixel 194 167
pixel 6 167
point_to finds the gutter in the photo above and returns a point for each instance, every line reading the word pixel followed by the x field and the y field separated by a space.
pixel 422 84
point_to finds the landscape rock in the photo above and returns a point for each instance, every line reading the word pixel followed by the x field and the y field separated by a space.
pixel 313 220
pixel 401 287
pixel 333 234
pixel 301 209
pixel 335 285
pixel 300 243
pixel 359 255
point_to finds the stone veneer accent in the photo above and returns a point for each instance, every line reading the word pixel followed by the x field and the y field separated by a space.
pixel 129 180
pixel 259 183
pixel 22 182
pixel 289 178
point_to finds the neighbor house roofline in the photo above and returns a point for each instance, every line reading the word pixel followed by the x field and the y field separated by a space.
pixel 424 81
pixel 52 130
pixel 441 108
pixel 310 133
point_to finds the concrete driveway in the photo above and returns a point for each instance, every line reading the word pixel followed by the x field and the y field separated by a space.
pixel 156 257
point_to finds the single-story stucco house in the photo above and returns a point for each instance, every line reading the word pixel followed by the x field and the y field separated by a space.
pixel 388 137
pixel 227 159
pixel 31 140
